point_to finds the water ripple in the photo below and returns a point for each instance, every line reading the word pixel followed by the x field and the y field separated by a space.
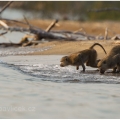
pixel 55 73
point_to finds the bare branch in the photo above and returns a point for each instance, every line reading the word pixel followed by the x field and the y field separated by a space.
pixel 51 26
pixel 4 24
pixel 2 33
pixel 27 21
pixel 13 21
pixel 106 34
pixel 7 5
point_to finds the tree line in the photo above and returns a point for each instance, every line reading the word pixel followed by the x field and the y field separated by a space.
pixel 85 10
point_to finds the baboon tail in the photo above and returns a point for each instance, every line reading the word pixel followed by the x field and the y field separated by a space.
pixel 98 45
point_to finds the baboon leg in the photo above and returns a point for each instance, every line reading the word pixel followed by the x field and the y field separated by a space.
pixel 83 66
pixel 114 70
pixel 97 61
pixel 118 68
pixel 118 64
pixel 82 63
pixel 88 63
pixel 92 61
pixel 116 60
pixel 77 67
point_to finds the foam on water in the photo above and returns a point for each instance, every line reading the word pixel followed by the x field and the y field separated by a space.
pixel 67 74
pixel 55 73
pixel 21 50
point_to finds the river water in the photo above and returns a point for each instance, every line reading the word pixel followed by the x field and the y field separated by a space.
pixel 37 87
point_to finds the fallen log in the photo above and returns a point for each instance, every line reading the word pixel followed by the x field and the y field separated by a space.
pixel 52 35
pixel 10 45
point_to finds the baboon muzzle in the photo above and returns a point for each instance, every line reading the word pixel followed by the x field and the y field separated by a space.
pixel 102 71
pixel 61 65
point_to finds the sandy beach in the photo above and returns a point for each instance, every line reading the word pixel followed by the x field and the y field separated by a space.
pixel 68 47
pixel 60 47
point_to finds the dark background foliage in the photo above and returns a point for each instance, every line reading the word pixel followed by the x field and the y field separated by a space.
pixel 81 9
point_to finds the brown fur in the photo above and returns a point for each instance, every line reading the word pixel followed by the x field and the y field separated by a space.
pixel 88 56
pixel 112 60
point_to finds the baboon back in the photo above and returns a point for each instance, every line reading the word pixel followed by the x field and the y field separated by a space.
pixel 115 50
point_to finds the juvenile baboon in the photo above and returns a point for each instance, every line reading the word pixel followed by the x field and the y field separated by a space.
pixel 88 56
pixel 112 60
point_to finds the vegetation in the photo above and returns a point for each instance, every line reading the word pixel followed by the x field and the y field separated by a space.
pixel 73 8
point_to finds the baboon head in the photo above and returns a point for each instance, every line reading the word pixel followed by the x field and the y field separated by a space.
pixel 102 65
pixel 64 61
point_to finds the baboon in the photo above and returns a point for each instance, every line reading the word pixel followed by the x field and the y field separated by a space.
pixel 88 56
pixel 111 61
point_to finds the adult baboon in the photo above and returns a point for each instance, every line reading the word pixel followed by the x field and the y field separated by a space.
pixel 112 60
pixel 88 56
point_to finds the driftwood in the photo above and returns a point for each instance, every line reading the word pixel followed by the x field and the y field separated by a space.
pixel 42 33
pixel 51 26
pixel 48 34
pixel 58 35
pixel 116 37
pixel 106 34
pixel 2 33
pixel 38 34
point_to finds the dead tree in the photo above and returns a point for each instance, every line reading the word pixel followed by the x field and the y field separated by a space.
pixel 38 34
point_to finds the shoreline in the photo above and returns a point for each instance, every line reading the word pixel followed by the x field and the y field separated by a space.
pixel 61 47
pixel 68 47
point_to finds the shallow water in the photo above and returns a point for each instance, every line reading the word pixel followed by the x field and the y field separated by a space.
pixel 37 87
